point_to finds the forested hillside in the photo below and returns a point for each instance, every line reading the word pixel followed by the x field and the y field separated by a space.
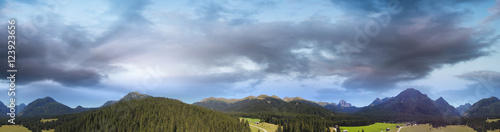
pixel 154 114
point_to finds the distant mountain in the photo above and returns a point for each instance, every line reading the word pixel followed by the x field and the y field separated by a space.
pixel 445 108
pixel 288 99
pixel 488 107
pixel 154 114
pixel 378 101
pixel 407 104
pixel 79 109
pixel 463 108
pixel 45 107
pixel 129 96
pixel 264 103
pixel 20 108
pixel 342 107
pixel 3 109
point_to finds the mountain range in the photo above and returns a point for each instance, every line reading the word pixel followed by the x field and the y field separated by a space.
pixel 264 103
pixel 408 103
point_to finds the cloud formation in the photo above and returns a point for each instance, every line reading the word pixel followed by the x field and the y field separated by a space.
pixel 216 44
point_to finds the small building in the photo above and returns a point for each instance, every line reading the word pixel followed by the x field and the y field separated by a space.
pixel 397 126
pixel 257 123
pixel 388 129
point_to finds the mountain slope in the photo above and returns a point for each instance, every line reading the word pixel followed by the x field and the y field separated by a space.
pixel 445 108
pixel 20 108
pixel 407 104
pixel 129 96
pixel 45 107
pixel 463 108
pixel 3 109
pixel 154 114
pixel 488 107
pixel 378 101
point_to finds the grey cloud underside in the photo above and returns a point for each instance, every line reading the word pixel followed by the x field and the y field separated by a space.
pixel 425 36
pixel 49 49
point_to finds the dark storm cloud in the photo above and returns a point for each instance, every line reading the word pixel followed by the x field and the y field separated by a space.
pixel 54 52
pixel 49 49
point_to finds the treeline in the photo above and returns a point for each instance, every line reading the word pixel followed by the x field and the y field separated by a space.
pixel 154 114
pixel 479 124
pixel 291 122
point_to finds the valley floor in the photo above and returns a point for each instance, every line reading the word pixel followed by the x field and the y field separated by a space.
pixel 262 125
pixel 377 127
pixel 428 128
pixel 18 128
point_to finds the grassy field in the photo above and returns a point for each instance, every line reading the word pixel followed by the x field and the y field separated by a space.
pixel 266 126
pixel 492 120
pixel 377 127
pixel 250 119
pixel 13 128
pixel 47 120
pixel 427 128
pixel 18 128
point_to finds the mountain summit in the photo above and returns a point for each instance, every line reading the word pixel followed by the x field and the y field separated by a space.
pixel 409 103
pixel 445 108
pixel 129 96
pixel 44 107
pixel 134 95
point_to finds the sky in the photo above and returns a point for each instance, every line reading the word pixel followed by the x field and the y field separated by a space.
pixel 88 52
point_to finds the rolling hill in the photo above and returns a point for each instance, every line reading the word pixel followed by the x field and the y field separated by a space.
pixel 488 107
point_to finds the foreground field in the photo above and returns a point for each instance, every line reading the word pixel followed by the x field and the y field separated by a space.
pixel 13 128
pixel 377 127
pixel 427 128
pixel 266 126
pixel 18 128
